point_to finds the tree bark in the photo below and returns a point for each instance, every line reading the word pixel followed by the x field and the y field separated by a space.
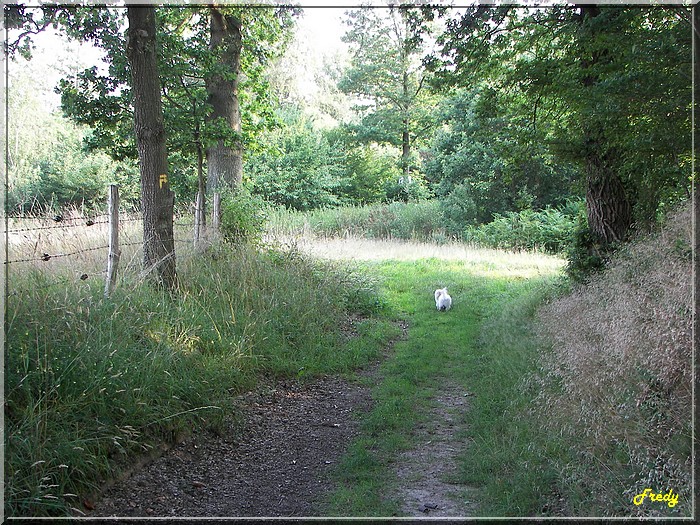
pixel 156 198
pixel 608 210
pixel 607 206
pixel 406 134
pixel 225 158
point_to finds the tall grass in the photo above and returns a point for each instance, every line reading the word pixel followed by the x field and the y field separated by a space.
pixel 91 382
pixel 548 230
pixel 397 220
pixel 618 377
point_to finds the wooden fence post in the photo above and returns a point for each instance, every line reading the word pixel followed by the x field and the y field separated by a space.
pixel 216 212
pixel 199 218
pixel 114 251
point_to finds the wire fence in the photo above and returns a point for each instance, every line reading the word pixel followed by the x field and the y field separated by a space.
pixel 82 241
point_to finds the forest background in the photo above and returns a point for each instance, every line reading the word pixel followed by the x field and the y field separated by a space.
pixel 494 116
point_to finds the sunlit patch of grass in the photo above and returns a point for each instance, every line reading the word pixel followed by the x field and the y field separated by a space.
pixel 462 347
pixel 482 261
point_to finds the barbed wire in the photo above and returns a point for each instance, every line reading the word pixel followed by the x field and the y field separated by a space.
pixel 88 222
pixel 66 280
pixel 47 256
pixel 55 227
pixel 55 218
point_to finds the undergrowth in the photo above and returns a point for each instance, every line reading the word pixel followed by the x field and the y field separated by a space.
pixel 92 382
pixel 420 220
pixel 549 230
pixel 617 379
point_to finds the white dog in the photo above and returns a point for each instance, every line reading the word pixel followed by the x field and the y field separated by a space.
pixel 443 301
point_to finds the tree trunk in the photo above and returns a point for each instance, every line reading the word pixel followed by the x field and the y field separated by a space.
pixel 156 198
pixel 225 158
pixel 608 208
pixel 405 135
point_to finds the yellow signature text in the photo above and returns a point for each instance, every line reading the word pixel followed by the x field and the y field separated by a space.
pixel 670 498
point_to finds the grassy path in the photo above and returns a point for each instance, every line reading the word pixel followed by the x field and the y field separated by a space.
pixel 447 398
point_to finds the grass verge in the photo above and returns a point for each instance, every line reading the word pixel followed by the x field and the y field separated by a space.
pixel 90 383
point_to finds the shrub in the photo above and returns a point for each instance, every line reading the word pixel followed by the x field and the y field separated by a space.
pixel 548 230
pixel 459 209
pixel 243 217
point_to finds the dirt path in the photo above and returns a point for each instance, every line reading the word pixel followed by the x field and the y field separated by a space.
pixel 424 473
pixel 280 465
pixel 278 460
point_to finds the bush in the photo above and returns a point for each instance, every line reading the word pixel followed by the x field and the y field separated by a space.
pixel 548 230
pixel 459 209
pixel 243 217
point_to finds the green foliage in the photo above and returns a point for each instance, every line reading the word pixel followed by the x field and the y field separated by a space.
pixel 48 165
pixel 103 100
pixel 586 256
pixel 299 169
pixel 548 230
pixel 92 383
pixel 459 209
pixel 243 217
pixel 486 160
pixel 562 77
pixel 370 174
pixel 386 75
pixel 305 168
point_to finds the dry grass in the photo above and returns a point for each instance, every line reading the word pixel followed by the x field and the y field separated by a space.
pixel 482 261
pixel 618 379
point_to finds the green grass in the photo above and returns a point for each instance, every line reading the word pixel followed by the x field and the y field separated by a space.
pixel 485 345
pixel 90 383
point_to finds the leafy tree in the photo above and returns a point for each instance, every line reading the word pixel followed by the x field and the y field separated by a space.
pixel 301 169
pixel 47 164
pixel 487 160
pixel 190 65
pixel 386 75
pixel 614 80
pixel 371 174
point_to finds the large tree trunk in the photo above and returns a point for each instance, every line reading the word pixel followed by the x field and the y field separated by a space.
pixel 608 210
pixel 607 206
pixel 225 158
pixel 156 197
